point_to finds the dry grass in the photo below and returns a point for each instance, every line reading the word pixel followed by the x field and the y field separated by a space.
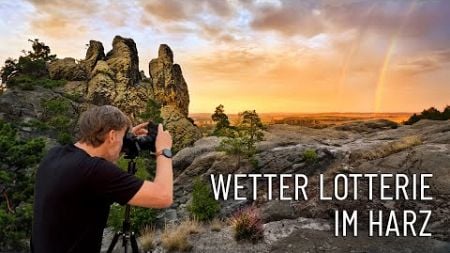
pixel 216 225
pixel 190 226
pixel 406 142
pixel 148 239
pixel 175 237
pixel 388 148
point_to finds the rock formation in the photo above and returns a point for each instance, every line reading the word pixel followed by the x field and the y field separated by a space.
pixel 124 61
pixel 67 69
pixel 184 133
pixel 101 85
pixel 115 79
pixel 94 54
pixel 168 84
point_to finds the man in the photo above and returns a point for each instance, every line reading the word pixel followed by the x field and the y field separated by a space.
pixel 77 183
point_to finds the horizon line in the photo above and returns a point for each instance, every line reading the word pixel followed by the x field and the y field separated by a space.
pixel 314 112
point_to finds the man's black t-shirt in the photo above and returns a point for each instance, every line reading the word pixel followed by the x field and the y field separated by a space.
pixel 72 197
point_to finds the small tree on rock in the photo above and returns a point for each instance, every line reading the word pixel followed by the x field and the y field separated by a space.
pixel 204 206
pixel 223 127
pixel 40 51
pixel 251 128
pixel 243 143
pixel 31 65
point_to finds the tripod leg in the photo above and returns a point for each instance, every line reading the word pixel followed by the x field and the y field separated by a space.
pixel 113 242
pixel 134 246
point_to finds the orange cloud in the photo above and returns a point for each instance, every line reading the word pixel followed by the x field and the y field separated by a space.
pixel 58 26
pixel 286 79
pixel 289 56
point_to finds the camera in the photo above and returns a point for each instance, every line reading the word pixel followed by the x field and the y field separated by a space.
pixel 133 144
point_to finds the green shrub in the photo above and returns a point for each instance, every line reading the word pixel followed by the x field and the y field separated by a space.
pixel 33 64
pixel 145 167
pixel 431 113
pixel 139 217
pixel 23 82
pixel 247 224
pixel 37 124
pixel 56 116
pixel 9 68
pixel 204 206
pixel 413 119
pixel 446 113
pixel 254 162
pixel 28 82
pixel 60 122
pixel 74 96
pixel 152 112
pixel 18 160
pixel 232 146
pixel 229 131
pixel 55 106
pixel 34 68
pixel 64 138
pixel 223 127
pixel 310 155
pixel 50 83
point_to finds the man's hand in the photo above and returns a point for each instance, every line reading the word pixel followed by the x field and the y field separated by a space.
pixel 140 129
pixel 159 193
pixel 163 139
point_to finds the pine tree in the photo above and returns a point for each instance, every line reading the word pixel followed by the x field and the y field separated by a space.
pixel 223 127
pixel 251 128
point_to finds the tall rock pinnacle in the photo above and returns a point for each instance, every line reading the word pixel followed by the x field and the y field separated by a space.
pixel 94 54
pixel 169 86
pixel 124 61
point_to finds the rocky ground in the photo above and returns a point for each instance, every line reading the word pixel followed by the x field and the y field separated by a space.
pixel 290 226
pixel 307 226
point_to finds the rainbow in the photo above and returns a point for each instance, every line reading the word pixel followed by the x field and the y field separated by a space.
pixel 351 52
pixel 381 84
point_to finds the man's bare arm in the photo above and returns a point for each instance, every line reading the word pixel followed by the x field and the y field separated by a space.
pixel 159 193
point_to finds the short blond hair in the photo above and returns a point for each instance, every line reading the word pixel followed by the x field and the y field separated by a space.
pixel 97 121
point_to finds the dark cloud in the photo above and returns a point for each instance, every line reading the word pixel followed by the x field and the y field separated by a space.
pixel 216 33
pixel 309 18
pixel 219 7
pixel 167 10
pixel 425 63
pixel 291 18
pixel 179 10
pixel 203 18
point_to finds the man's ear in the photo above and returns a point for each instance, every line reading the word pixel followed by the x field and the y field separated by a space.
pixel 111 135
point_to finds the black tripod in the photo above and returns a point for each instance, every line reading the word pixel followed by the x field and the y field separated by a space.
pixel 126 234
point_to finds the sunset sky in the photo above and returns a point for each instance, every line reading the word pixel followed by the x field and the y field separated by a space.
pixel 272 56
